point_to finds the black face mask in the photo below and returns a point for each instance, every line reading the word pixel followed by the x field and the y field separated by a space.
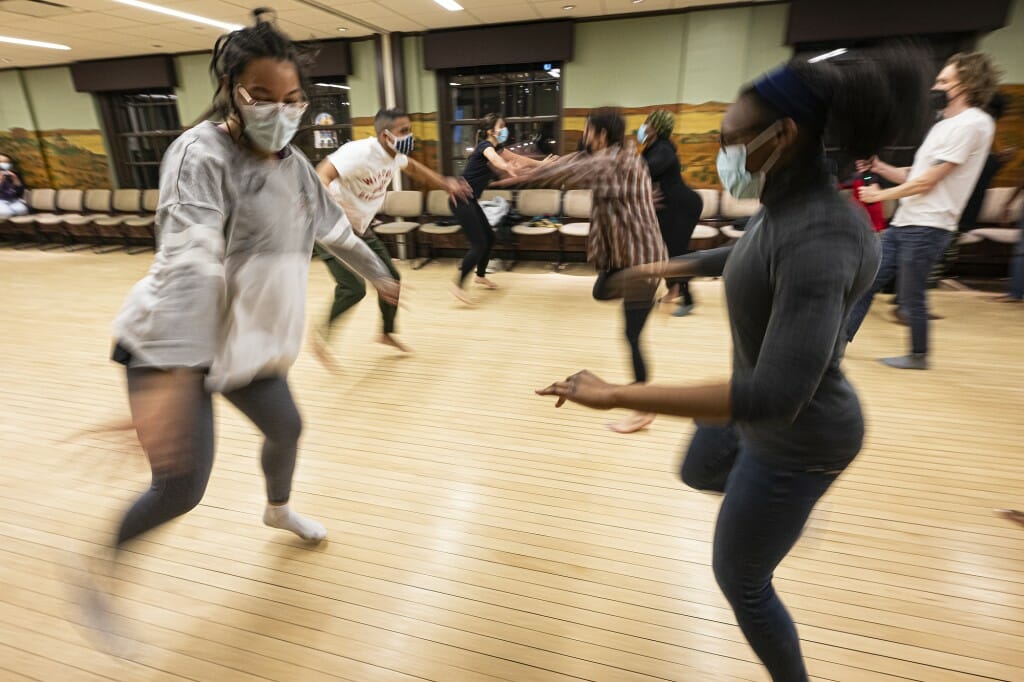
pixel 939 99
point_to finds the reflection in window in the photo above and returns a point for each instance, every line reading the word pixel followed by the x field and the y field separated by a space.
pixel 327 123
pixel 140 126
pixel 529 96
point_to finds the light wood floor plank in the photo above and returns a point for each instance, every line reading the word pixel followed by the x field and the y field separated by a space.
pixel 476 533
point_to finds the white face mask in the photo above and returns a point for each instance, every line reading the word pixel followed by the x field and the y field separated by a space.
pixel 732 166
pixel 5 166
pixel 270 126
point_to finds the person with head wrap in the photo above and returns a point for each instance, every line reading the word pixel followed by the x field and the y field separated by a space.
pixel 680 206
pixel 806 257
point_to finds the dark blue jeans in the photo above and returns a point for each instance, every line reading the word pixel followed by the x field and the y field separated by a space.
pixel 1017 266
pixel 909 254
pixel 761 518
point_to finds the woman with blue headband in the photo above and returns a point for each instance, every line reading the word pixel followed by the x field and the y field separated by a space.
pixel 790 282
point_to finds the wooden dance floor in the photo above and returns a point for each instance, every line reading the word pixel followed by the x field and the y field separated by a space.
pixel 478 534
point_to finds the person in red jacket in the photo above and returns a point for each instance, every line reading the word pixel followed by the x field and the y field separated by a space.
pixel 876 212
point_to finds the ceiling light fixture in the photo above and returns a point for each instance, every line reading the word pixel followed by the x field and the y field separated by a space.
pixel 342 29
pixel 568 7
pixel 333 85
pixel 827 55
pixel 637 2
pixel 449 5
pixel 180 15
pixel 33 43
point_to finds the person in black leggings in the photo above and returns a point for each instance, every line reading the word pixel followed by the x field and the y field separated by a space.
pixel 222 308
pixel 488 159
pixel 680 206
pixel 807 257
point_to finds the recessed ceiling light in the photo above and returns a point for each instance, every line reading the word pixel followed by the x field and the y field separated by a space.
pixel 449 5
pixel 342 29
pixel 637 2
pixel 180 15
pixel 33 43
pixel 333 85
pixel 568 7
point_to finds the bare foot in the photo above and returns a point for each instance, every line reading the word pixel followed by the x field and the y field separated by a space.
pixel 633 423
pixel 318 342
pixel 460 293
pixel 1012 515
pixel 486 283
pixel 390 340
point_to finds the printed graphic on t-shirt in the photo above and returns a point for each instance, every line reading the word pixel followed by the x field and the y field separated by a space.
pixel 373 186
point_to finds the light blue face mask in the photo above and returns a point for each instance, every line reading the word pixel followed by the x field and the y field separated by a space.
pixel 732 166
pixel 641 133
pixel 502 136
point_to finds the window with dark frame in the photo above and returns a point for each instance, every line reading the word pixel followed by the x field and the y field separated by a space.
pixel 528 96
pixel 327 123
pixel 140 126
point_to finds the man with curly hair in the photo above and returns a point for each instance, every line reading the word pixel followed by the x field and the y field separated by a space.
pixel 933 194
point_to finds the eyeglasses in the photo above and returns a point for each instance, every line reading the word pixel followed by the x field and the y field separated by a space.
pixel 293 110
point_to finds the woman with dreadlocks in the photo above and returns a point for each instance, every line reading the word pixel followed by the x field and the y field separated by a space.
pixel 680 206
pixel 222 307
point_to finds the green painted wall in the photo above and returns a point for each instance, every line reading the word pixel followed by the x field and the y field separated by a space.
pixel 55 102
pixel 14 109
pixel 766 40
pixel 364 92
pixel 696 57
pixel 1007 45
pixel 628 62
pixel 195 86
pixel 420 84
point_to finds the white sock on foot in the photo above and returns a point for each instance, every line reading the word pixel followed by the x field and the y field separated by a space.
pixel 282 516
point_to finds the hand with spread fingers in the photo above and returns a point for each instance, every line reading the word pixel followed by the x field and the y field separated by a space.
pixel 584 388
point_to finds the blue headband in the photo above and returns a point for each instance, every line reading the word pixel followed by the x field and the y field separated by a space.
pixel 787 92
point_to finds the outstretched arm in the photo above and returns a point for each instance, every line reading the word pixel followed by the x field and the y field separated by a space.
pixel 574 170
pixel 457 187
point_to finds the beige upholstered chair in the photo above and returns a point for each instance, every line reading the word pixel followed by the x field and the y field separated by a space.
pixel 405 207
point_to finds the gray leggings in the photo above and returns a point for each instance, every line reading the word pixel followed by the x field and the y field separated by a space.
pixel 266 402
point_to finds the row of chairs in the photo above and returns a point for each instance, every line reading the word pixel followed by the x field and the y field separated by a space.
pixel 420 227
pixel 103 219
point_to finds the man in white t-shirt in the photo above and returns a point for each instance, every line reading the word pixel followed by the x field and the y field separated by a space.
pixel 358 175
pixel 933 193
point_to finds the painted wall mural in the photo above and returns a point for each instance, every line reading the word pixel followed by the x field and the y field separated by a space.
pixel 695 136
pixel 61 159
pixel 697 130
pixel 1010 133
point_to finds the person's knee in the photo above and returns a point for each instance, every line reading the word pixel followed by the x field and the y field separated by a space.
pixel 696 476
pixel 354 294
pixel 287 429
pixel 741 588
pixel 182 494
